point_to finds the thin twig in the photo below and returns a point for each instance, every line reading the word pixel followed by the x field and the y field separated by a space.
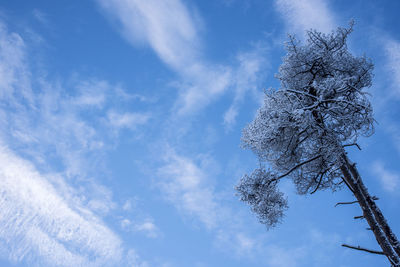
pixel 298 166
pixel 346 203
pixel 355 144
pixel 319 183
pixel 364 249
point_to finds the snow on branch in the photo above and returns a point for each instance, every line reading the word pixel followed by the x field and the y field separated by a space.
pixel 302 128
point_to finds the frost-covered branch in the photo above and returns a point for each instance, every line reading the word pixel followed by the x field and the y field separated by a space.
pixel 297 166
pixel 302 129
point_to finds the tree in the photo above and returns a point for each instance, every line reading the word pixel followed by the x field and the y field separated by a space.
pixel 302 129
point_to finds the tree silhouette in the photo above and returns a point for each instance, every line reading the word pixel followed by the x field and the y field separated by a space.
pixel 303 127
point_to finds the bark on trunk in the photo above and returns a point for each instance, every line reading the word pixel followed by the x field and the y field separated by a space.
pixel 383 234
pixel 378 214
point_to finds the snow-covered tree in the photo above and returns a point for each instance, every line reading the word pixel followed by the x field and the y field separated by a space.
pixel 302 129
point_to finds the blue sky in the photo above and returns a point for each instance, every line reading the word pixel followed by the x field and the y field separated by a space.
pixel 120 125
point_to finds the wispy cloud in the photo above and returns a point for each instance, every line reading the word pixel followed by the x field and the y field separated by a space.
pixel 40 16
pixel 40 225
pixel 137 221
pixel 148 227
pixel 14 75
pixel 390 180
pixel 315 250
pixel 53 219
pixel 126 119
pixel 91 93
pixel 283 257
pixel 203 84
pixel 173 32
pixel 392 49
pixel 252 66
pixel 167 26
pixel 301 15
pixel 185 185
pixel 59 123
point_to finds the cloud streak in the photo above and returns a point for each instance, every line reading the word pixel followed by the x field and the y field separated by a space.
pixel 185 185
pixel 392 49
pixel 167 26
pixel 44 220
pixel 40 225
pixel 172 31
pixel 389 180
pixel 250 71
pixel 302 15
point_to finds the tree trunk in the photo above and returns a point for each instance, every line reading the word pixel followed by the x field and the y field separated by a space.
pixel 383 234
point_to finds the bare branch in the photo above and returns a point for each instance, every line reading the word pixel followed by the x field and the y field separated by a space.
pixel 301 93
pixel 354 144
pixel 319 183
pixel 346 203
pixel 321 175
pixel 298 166
pixel 364 249
pixel 359 217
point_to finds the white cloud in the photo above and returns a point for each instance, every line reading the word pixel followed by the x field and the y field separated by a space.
pixel 38 224
pixel 134 260
pixel 245 242
pixel 126 119
pixel 389 121
pixel 302 15
pixel 392 48
pixel 40 16
pixel 14 75
pixel 100 198
pixel 186 184
pixel 52 124
pixel 247 77
pixel 148 227
pixel 200 86
pixel 282 257
pixel 241 244
pixel 186 187
pixel 46 124
pixel 167 26
pixel 172 31
pixel 44 220
pixel 128 205
pixel 125 223
pixel 389 179
pixel 91 93
pixel 96 93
